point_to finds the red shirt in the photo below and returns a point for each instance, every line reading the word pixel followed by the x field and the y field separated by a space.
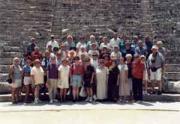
pixel 77 69
pixel 137 69
pixel 36 55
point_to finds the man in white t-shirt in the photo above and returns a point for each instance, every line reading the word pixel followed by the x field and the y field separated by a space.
pixel 53 43
pixel 114 41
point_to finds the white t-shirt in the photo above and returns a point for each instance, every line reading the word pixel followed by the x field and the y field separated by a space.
pixel 53 44
pixel 114 42
pixel 38 74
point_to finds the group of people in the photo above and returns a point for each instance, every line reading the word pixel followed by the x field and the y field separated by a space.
pixel 116 69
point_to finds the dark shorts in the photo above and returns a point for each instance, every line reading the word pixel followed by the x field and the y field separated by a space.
pixel 87 84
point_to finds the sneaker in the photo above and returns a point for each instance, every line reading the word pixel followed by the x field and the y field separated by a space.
pixel 145 93
pixel 87 99
pixel 90 99
pixel 51 101
pixel 94 97
pixel 36 101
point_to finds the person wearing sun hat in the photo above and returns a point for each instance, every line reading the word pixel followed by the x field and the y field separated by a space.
pixel 156 64
pixel 37 74
pixel 161 48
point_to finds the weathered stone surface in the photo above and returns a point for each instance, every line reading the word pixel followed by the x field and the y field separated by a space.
pixel 173 86
pixel 5 88
pixel 22 19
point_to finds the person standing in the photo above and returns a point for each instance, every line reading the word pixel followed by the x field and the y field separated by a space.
pixel 52 78
pixel 89 79
pixel 113 82
pixel 27 78
pixel 15 74
pixel 77 71
pixel 37 74
pixel 156 64
pixel 102 80
pixel 137 73
pixel 124 89
pixel 53 43
pixel 63 78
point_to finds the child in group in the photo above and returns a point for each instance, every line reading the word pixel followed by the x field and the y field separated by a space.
pixel 63 78
pixel 124 89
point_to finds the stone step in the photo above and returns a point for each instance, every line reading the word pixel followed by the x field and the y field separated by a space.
pixel 5 61
pixel 11 49
pixel 4 68
pixel 10 54
pixel 172 68
pixel 172 76
pixel 150 98
pixel 3 77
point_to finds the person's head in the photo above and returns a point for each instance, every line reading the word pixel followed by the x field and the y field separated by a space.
pixel 159 44
pixel 49 48
pixel 77 60
pixel 143 58
pixel 95 55
pixel 28 62
pixel 122 61
pixel 101 62
pixel 136 57
pixel 135 38
pixel 36 49
pixel 52 37
pixel 53 58
pixel 128 45
pixel 65 61
pixel 82 39
pixel 154 49
pixel 87 60
pixel 59 54
pixel 70 38
pixel 116 48
pixel 83 49
pixel 94 46
pixel 105 39
pixel 16 61
pixel 47 54
pixel 71 54
pixel 37 63
pixel 33 40
pixel 115 35
pixel 140 43
pixel 92 38
pixel 128 57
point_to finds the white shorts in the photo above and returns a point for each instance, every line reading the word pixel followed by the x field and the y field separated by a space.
pixel 27 80
pixel 157 75
pixel 16 83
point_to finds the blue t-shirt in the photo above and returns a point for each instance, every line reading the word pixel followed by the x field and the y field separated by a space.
pixel 27 69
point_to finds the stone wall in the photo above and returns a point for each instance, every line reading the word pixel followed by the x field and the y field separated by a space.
pixel 22 19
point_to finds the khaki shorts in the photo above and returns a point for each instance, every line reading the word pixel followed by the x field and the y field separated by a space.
pixel 157 75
